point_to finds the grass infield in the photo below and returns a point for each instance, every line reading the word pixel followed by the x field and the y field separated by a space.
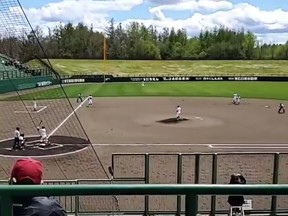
pixel 124 67
pixel 261 90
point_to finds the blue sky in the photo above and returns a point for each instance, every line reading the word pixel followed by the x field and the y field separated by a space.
pixel 267 19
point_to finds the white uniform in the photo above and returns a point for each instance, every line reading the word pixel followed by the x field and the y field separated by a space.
pixel 21 140
pixel 143 83
pixel 178 112
pixel 34 105
pixel 16 134
pixel 235 98
pixel 90 101
pixel 238 99
pixel 43 134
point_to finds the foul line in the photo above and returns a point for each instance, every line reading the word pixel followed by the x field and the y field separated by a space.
pixel 249 146
pixel 73 112
pixel 150 144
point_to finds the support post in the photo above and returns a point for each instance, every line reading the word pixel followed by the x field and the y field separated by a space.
pixel 214 181
pixel 191 205
pixel 275 181
pixel 147 170
pixel 179 181
pixel 6 206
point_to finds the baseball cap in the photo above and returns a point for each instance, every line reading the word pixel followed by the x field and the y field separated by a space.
pixel 27 171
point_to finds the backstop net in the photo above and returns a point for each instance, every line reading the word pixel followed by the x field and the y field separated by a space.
pixel 31 91
pixel 32 96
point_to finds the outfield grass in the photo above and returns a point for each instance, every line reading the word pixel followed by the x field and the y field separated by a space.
pixel 263 90
pixel 71 66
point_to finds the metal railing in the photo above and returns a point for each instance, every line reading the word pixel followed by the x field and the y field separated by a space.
pixel 204 168
pixel 191 192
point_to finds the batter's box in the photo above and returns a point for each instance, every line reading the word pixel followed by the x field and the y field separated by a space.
pixel 49 147
pixel 30 109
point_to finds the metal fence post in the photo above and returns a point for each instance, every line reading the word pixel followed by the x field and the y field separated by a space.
pixel 197 169
pixel 275 181
pixel 179 181
pixel 191 205
pixel 6 206
pixel 147 170
pixel 214 181
pixel 77 204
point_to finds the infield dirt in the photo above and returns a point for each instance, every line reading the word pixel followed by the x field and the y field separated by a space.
pixel 131 121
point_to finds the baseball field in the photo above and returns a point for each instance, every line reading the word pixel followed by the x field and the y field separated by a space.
pixel 131 118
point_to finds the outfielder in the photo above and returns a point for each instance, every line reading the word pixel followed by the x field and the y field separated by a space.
pixel 178 112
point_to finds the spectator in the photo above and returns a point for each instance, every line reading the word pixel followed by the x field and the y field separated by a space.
pixel 236 200
pixel 29 172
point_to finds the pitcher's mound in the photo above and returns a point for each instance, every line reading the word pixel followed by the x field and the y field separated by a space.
pixel 172 120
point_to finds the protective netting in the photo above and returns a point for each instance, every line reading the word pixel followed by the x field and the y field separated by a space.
pixel 31 96
pixel 33 90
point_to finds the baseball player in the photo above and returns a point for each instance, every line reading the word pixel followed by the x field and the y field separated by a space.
pixel 90 101
pixel 178 112
pixel 281 109
pixel 16 138
pixel 79 98
pixel 235 95
pixel 34 105
pixel 22 141
pixel 238 100
pixel 43 133
pixel 143 83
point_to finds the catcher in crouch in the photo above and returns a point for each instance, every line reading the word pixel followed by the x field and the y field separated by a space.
pixel 44 138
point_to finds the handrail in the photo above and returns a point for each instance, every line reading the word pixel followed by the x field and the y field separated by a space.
pixel 191 192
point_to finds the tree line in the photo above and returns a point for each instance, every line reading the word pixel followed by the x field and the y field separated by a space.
pixel 137 41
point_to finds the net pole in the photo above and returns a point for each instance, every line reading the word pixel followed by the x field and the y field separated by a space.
pixel 104 55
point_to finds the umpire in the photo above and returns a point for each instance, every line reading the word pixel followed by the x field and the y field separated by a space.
pixel 16 138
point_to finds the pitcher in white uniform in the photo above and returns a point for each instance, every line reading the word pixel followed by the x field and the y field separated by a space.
pixel 234 98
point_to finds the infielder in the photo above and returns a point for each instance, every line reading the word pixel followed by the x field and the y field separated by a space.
pixel 43 134
pixel 34 105
pixel 281 109
pixel 90 101
pixel 178 112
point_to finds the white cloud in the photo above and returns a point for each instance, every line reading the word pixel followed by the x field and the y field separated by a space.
pixel 268 25
pixel 94 12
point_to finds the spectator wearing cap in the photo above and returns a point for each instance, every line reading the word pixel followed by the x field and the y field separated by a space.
pixel 29 172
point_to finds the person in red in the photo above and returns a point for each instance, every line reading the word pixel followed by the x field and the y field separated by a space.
pixel 28 171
